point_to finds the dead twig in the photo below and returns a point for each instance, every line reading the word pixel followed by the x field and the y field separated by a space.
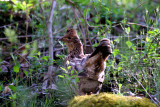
pixel 22 57
pixel 131 23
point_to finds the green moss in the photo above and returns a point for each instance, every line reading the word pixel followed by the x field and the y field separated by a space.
pixel 109 100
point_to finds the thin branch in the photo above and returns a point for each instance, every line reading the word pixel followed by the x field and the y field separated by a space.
pixel 26 36
pixel 22 57
pixel 144 89
pixel 48 77
pixel 131 23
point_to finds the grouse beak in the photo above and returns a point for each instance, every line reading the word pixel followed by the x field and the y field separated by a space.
pixel 63 38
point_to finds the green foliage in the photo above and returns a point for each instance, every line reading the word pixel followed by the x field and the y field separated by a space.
pixel 40 64
pixel 141 65
pixel 27 97
pixel 129 44
pixel 13 88
pixel 1 87
pixel 34 49
pixel 109 100
pixel 11 35
pixel 16 68
pixel 20 5
pixel 19 89
pixel 67 84
pixel 127 30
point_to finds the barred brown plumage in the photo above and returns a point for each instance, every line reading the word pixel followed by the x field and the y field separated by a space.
pixel 93 65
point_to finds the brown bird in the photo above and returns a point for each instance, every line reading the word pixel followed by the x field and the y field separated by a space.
pixel 92 65
pixel 75 55
pixel 75 47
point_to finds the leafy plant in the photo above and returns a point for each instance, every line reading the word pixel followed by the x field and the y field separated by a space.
pixel 11 34
pixel 139 66
pixel 67 84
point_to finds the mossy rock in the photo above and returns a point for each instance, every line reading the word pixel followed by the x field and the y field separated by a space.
pixel 109 100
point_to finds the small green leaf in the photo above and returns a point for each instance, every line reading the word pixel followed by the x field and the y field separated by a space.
pixel 96 19
pixel 77 80
pixel 26 73
pixel 120 85
pixel 14 1
pixel 61 76
pixel 13 88
pixel 11 35
pixel 124 21
pixel 16 68
pixel 127 30
pixel 150 32
pixel 67 62
pixel 115 52
pixel 129 44
pixel 69 67
pixel 1 87
pixel 13 96
pixel 12 57
pixel 61 56
pixel 117 40
pixel 46 58
pixel 34 49
pixel 134 48
pixel 72 71
pixel 109 22
pixel 39 53
pixel 147 39
pixel 64 69
pixel 119 68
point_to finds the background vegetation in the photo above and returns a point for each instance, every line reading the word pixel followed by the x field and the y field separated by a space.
pixel 133 26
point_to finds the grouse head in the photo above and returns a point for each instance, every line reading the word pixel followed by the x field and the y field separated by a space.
pixel 104 48
pixel 70 36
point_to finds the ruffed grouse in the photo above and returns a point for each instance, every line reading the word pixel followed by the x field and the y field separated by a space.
pixel 90 66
